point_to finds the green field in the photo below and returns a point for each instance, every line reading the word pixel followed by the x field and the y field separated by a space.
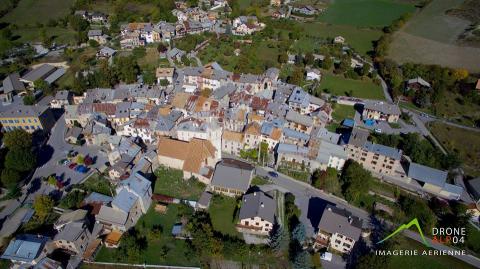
pixel 359 38
pixel 462 142
pixel 170 182
pixel 365 13
pixel 179 253
pixel 222 212
pixel 423 262
pixel 338 85
pixel 36 11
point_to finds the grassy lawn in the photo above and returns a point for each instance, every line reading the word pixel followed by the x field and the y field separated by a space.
pixel 60 35
pixel 98 183
pixel 170 182
pixel 359 38
pixel 365 13
pixel 151 58
pixel 462 142
pixel 223 213
pixel 338 85
pixel 33 11
pixel 342 112
pixel 179 253
pixel 422 261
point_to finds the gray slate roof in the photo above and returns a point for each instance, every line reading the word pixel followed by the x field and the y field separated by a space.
pixel 383 150
pixel 12 83
pixel 383 107
pixel 358 137
pixel 336 220
pixel 427 174
pixel 258 204
pixel 39 72
pixel 296 117
pixel 233 174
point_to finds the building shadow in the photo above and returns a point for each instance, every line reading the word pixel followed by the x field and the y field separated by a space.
pixel 316 206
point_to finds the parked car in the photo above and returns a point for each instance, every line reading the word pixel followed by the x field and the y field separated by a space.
pixel 273 174
pixel 64 162
pixel 72 153
pixel 378 130
pixel 72 165
pixel 81 169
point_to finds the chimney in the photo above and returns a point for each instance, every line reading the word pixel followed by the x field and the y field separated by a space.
pixel 350 219
pixel 262 205
pixel 254 194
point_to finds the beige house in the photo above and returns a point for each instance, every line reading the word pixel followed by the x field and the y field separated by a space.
pixel 195 157
pixel 381 111
pixel 165 74
pixel 232 142
pixel 252 135
pixel 257 213
pixel 338 230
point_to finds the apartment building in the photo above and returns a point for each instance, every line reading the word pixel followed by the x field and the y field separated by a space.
pixel 28 118
pixel 374 157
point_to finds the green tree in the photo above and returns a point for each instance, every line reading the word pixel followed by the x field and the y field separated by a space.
pixel 297 76
pixel 309 59
pixel 327 180
pixel 164 82
pixel 278 240
pixel 327 63
pixel 72 200
pixel 22 160
pixel 126 69
pixel 78 23
pixel 10 178
pixel 41 84
pixel 43 205
pixel 51 180
pixel 283 58
pixel 17 139
pixel 93 43
pixel 356 181
pixel 29 99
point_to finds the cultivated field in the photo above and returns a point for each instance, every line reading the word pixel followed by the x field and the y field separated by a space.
pixel 338 85
pixel 365 13
pixel 35 11
pixel 431 36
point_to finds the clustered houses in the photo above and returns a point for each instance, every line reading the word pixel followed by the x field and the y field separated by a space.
pixel 187 125
pixel 190 20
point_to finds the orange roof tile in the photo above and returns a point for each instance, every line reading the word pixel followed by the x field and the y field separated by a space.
pixel 232 136
pixel 252 128
pixel 276 134
pixel 193 153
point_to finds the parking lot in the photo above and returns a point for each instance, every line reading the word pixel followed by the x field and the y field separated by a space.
pixel 57 150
